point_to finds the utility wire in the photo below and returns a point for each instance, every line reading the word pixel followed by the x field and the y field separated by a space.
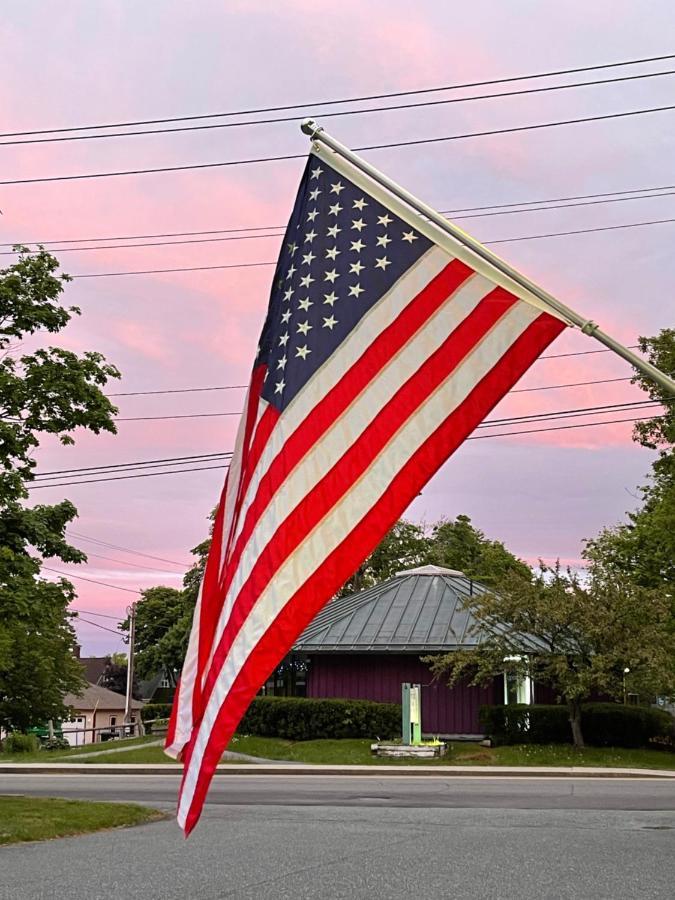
pixel 224 387
pixel 497 208
pixel 102 627
pixel 553 387
pixel 583 353
pixel 114 469
pixel 256 265
pixel 238 413
pixel 124 562
pixel 91 580
pixel 480 437
pixel 92 540
pixel 551 234
pixel 139 463
pixel 36 487
pixel 181 416
pixel 384 146
pixel 277 234
pixel 90 612
pixel 231 387
pixel 352 99
pixel 470 438
pixel 336 113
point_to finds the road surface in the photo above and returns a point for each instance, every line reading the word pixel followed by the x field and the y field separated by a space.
pixel 271 838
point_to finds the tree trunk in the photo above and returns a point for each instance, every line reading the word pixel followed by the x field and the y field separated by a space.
pixel 575 722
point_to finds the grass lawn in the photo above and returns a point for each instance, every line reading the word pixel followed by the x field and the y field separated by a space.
pixel 357 752
pixel 44 756
pixel 38 819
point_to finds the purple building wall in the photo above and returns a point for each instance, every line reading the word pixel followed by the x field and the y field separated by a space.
pixel 379 677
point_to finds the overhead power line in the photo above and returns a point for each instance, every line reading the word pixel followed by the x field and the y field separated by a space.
pixel 497 209
pixel 218 415
pixel 36 487
pixel 96 625
pixel 90 612
pixel 53 138
pixel 352 99
pixel 124 562
pixel 537 126
pixel 93 540
pixel 91 580
pixel 120 471
pixel 479 437
pixel 138 463
pixel 231 387
pixel 263 264
pixel 277 234
pixel 224 387
pixel 583 353
pixel 553 387
pixel 473 437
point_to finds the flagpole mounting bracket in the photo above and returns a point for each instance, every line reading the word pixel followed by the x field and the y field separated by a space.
pixel 589 327
pixel 310 128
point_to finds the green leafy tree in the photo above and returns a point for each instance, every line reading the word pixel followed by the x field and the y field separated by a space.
pixel 577 638
pixel 164 620
pixel 644 547
pixel 403 547
pixel 460 545
pixel 115 676
pixel 49 391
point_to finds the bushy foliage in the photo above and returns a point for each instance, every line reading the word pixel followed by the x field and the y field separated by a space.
pixel 55 743
pixel 582 639
pixel 16 742
pixel 603 724
pixel 155 711
pixel 50 391
pixel 297 719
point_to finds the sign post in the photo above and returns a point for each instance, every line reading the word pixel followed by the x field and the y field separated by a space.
pixel 411 713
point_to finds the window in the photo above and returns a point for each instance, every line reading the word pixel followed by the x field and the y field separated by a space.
pixel 517 688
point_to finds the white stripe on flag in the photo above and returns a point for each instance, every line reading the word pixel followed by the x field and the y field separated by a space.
pixel 382 314
pixel 337 440
pixel 345 515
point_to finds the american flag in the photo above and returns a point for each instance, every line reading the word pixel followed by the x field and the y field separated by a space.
pixel 380 353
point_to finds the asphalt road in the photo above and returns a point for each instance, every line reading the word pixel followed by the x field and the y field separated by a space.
pixel 309 837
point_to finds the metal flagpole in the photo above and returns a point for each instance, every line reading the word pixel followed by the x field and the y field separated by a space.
pixel 587 326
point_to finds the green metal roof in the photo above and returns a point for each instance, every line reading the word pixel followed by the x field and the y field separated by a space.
pixel 418 610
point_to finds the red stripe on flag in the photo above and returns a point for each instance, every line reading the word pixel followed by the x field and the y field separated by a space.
pixel 355 461
pixel 333 404
pixel 339 565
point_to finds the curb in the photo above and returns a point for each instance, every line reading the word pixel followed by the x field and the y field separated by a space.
pixel 333 771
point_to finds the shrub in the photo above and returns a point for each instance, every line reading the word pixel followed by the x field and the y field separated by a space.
pixel 299 719
pixel 155 711
pixel 20 743
pixel 614 725
pixel 536 724
pixel 602 724
pixel 55 743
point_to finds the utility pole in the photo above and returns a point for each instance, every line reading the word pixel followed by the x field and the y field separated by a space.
pixel 131 611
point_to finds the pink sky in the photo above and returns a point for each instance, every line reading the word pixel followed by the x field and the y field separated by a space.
pixel 110 61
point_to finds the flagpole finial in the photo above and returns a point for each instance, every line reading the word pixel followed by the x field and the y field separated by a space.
pixel 310 128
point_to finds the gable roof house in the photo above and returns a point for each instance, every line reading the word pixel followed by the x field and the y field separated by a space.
pixel 365 645
pixel 96 708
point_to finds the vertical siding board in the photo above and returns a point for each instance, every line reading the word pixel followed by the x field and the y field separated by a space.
pixel 379 678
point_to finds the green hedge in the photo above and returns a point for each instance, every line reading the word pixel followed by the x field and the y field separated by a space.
pixel 602 724
pixel 298 719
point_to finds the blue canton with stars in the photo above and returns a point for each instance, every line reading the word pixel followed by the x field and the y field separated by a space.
pixel 342 251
